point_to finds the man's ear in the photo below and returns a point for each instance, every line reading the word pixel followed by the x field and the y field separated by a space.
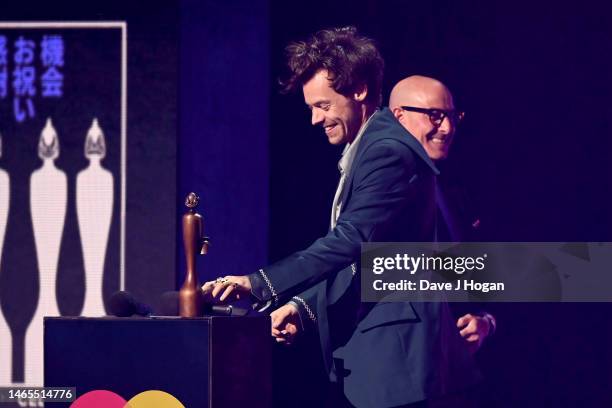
pixel 361 93
pixel 398 113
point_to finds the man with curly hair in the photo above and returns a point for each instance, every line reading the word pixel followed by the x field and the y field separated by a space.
pixel 377 354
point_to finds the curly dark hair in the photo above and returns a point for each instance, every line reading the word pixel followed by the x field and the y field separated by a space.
pixel 350 59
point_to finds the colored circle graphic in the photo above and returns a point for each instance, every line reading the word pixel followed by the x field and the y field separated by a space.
pixel 99 399
pixel 154 399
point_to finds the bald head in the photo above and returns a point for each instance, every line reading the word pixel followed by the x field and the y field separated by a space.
pixel 427 93
pixel 419 91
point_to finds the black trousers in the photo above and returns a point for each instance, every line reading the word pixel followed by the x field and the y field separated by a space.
pixel 464 399
pixel 336 399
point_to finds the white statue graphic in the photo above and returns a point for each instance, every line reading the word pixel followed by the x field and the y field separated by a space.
pixel 94 200
pixel 48 199
pixel 6 339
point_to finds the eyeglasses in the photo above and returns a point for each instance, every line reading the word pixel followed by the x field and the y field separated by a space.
pixel 436 116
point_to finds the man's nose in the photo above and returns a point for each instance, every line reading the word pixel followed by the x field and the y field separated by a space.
pixel 317 116
pixel 447 126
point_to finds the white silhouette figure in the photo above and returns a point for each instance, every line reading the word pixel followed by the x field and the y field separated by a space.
pixel 6 339
pixel 94 195
pixel 48 198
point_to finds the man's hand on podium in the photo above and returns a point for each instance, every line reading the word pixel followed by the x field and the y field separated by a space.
pixel 285 324
pixel 228 288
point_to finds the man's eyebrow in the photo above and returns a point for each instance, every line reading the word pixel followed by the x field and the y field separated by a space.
pixel 319 103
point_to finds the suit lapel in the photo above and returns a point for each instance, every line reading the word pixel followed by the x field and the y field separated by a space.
pixel 393 130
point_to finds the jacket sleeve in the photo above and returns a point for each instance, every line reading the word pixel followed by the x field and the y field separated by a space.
pixel 381 189
pixel 306 304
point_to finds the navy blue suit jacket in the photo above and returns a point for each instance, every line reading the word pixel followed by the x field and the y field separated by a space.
pixel 383 354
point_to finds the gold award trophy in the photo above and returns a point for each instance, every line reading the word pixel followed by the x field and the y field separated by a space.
pixel 191 299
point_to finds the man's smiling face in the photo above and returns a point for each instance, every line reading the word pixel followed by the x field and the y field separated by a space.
pixel 435 136
pixel 340 116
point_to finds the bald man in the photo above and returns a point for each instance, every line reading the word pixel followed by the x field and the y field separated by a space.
pixel 425 108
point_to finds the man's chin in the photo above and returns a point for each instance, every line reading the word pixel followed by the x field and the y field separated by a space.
pixel 437 154
pixel 335 140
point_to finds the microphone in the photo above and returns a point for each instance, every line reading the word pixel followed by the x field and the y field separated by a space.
pixel 170 307
pixel 124 304
pixel 227 310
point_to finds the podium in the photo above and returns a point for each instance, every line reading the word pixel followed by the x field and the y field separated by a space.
pixel 213 362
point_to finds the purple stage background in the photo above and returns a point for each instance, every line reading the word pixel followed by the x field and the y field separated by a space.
pixel 534 155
